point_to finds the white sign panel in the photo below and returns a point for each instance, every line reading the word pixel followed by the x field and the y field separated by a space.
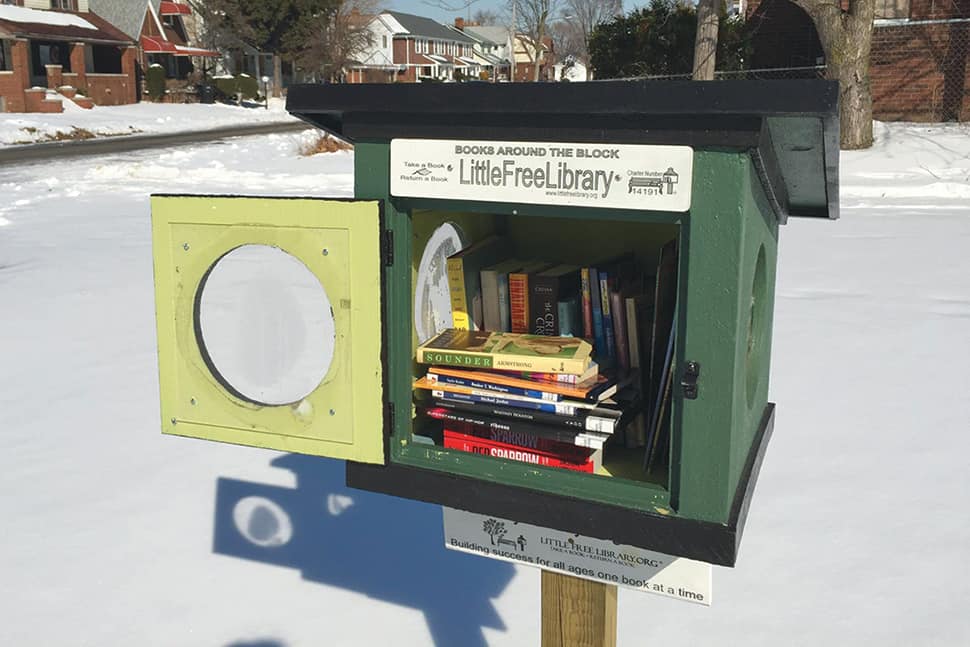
pixel 619 176
pixel 591 559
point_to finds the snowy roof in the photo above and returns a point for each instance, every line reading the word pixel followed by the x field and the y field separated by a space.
pixel 488 33
pixel 21 22
pixel 426 28
pixel 11 13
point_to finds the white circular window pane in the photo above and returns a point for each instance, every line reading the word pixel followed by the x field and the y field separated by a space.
pixel 266 324
pixel 432 300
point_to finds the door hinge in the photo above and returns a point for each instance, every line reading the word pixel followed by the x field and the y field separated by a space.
pixel 387 247
pixel 692 371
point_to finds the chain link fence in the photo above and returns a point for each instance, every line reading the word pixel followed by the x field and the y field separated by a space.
pixel 763 74
pixel 920 69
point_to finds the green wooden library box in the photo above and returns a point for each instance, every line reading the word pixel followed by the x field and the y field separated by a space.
pixel 685 182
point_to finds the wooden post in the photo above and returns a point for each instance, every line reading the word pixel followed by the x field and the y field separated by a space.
pixel 577 612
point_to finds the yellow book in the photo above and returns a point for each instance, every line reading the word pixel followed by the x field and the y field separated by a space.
pixel 465 283
pixel 505 351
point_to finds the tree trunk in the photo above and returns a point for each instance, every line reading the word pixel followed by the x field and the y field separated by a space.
pixel 277 76
pixel 705 42
pixel 846 39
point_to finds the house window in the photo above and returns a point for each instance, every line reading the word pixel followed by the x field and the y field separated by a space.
pixel 384 41
pixel 5 63
pixel 892 9
pixel 67 5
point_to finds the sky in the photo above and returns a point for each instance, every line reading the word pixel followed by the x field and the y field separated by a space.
pixel 434 10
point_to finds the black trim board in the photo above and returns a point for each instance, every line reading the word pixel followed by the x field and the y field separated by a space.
pixel 701 540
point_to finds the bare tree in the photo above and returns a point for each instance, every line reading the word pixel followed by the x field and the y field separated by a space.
pixel 339 38
pixel 486 17
pixel 705 41
pixel 530 24
pixel 567 41
pixel 846 37
pixel 584 16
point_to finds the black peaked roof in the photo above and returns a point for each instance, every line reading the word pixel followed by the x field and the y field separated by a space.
pixel 790 128
pixel 427 28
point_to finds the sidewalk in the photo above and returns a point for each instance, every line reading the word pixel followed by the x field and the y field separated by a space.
pixel 78 124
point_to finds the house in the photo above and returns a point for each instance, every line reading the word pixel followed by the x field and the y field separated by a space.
pixel 406 48
pixel 919 67
pixel 162 28
pixel 57 50
pixel 526 59
pixel 490 49
pixel 497 44
pixel 571 69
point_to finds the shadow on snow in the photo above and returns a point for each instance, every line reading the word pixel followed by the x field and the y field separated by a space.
pixel 386 548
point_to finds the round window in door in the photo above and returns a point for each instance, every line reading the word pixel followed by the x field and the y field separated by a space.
pixel 265 326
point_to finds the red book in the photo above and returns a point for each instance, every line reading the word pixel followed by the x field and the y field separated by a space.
pixel 519 296
pixel 475 445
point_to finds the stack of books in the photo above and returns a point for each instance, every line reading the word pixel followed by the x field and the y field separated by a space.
pixel 544 352
pixel 534 398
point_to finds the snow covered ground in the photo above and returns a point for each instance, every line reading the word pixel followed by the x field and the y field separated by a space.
pixel 140 118
pixel 859 532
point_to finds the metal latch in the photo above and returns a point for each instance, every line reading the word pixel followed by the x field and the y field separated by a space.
pixel 689 382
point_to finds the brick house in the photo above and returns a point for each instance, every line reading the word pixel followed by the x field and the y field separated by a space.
pixel 52 50
pixel 164 30
pixel 919 61
pixel 406 48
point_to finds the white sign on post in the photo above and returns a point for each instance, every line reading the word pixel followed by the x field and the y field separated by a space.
pixel 592 559
pixel 618 176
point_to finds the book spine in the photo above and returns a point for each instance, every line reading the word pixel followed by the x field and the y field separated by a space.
pixel 633 331
pixel 483 447
pixel 499 362
pixel 503 303
pixel 566 451
pixel 498 426
pixel 569 318
pixel 607 315
pixel 586 304
pixel 462 359
pixel 490 300
pixel 547 407
pixel 563 378
pixel 519 302
pixel 436 378
pixel 581 422
pixel 543 305
pixel 599 338
pixel 618 311
pixel 460 316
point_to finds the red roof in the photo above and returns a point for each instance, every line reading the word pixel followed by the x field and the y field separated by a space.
pixel 174 9
pixel 195 51
pixel 152 45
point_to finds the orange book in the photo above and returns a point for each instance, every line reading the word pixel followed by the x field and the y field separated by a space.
pixel 519 296
pixel 594 390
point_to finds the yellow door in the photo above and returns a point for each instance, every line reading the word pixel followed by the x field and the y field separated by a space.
pixel 269 322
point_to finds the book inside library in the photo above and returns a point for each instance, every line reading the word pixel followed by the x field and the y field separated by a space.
pixel 545 344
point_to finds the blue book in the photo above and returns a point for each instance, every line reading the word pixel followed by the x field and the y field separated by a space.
pixel 599 339
pixel 498 388
pixel 570 324
pixel 547 407
pixel 604 281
